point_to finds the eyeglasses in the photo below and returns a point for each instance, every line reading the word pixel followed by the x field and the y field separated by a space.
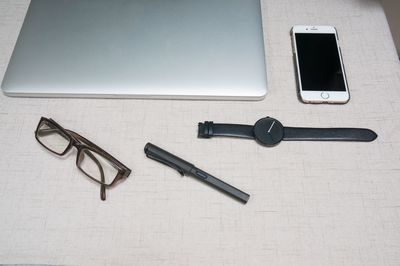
pixel 93 161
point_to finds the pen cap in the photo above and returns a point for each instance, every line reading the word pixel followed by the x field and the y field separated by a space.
pixel 167 158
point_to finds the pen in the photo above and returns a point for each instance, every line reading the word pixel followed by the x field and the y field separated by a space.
pixel 186 168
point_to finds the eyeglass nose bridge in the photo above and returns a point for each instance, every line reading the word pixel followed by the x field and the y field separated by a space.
pixel 78 145
pixel 80 152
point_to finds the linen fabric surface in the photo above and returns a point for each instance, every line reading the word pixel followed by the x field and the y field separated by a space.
pixel 312 203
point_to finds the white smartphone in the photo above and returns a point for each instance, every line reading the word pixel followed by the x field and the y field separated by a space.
pixel 318 61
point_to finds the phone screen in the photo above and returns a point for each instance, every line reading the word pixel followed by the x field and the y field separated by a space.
pixel 319 62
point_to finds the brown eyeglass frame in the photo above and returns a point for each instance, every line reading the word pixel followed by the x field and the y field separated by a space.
pixel 82 144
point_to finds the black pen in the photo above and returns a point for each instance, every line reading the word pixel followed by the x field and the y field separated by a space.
pixel 184 167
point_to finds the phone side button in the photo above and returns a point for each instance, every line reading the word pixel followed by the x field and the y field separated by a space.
pixel 325 95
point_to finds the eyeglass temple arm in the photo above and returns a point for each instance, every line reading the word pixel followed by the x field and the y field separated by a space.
pixel 48 131
pixel 102 186
pixel 76 136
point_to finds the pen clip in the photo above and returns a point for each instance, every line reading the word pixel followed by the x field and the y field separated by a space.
pixel 166 163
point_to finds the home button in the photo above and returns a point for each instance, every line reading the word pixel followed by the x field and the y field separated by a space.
pixel 325 95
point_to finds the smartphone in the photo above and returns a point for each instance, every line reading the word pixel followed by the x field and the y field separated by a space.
pixel 319 66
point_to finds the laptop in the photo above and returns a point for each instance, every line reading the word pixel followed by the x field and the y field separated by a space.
pixel 174 49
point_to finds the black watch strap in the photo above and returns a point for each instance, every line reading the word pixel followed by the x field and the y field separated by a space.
pixel 269 132
pixel 208 129
pixel 328 134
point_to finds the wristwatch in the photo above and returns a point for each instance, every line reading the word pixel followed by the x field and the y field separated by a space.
pixel 269 132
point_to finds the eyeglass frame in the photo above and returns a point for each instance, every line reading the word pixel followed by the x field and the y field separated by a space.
pixel 81 144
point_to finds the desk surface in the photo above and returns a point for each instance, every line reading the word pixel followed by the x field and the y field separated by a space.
pixel 311 203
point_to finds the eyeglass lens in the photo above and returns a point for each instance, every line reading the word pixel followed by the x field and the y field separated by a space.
pixel 52 137
pixel 96 166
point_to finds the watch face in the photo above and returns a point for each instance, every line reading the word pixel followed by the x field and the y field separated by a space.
pixel 268 131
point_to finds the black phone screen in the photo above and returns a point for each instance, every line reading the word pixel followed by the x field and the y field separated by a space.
pixel 319 62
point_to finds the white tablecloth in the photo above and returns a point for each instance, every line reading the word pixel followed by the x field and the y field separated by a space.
pixel 311 203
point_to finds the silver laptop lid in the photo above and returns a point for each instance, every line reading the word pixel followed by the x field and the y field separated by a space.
pixel 188 49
